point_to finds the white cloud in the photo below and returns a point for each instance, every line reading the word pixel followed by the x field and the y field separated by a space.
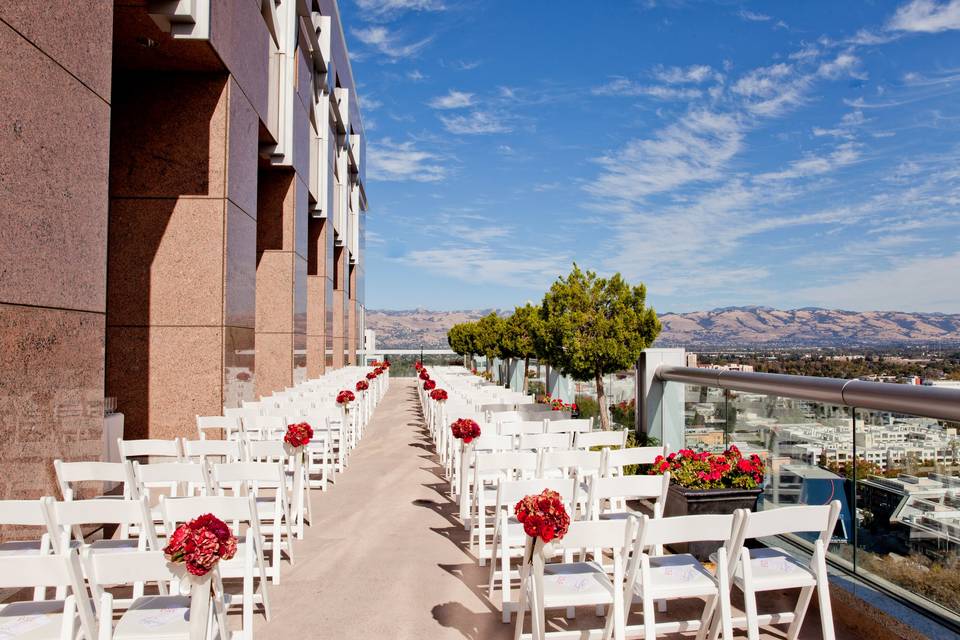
pixel 400 161
pixel 475 122
pixel 387 43
pixel 927 16
pixel 388 8
pixel 844 63
pixel 415 75
pixel 923 283
pixel 486 265
pixel 466 65
pixel 453 100
pixel 752 16
pixel 625 87
pixel 813 165
pixel 679 75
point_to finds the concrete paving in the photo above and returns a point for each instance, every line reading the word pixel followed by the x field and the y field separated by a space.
pixel 387 558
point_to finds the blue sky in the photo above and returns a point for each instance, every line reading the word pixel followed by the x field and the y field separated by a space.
pixel 784 154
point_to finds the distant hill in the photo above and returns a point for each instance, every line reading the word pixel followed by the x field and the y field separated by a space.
pixel 726 327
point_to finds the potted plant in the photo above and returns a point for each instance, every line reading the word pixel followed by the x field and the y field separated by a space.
pixel 706 483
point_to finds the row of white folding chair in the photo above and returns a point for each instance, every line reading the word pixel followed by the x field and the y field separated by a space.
pixel 650 576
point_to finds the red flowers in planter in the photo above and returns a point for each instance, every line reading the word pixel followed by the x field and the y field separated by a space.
pixel 200 544
pixel 543 515
pixel 438 394
pixel 429 385
pixel 362 385
pixel 703 470
pixel 424 375
pixel 465 429
pixel 298 435
pixel 345 397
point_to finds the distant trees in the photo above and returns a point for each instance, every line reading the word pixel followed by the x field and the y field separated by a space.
pixel 519 333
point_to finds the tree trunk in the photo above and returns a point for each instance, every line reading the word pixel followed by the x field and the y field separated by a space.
pixel 602 402
pixel 526 367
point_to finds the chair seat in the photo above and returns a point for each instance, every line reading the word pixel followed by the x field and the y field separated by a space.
pixel 32 620
pixel 576 584
pixel 677 576
pixel 156 618
pixel 774 568
pixel 113 546
pixel 19 547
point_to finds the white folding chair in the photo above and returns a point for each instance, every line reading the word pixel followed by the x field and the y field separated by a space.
pixel 298 490
pixel 149 449
pixel 178 479
pixel 558 585
pixel 491 468
pixel 571 425
pixel 248 563
pixel 107 475
pixel 545 441
pixel 587 439
pixel 617 459
pixel 570 463
pixel 27 513
pixel 165 617
pixel 653 576
pixel 773 569
pixel 520 428
pixel 267 483
pixel 607 498
pixel 227 426
pixel 68 519
pixel 213 451
pixel 55 619
pixel 508 534
pixel 265 427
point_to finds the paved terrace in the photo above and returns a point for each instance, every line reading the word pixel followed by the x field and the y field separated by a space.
pixel 387 558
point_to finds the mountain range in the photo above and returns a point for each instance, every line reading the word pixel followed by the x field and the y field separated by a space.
pixel 725 327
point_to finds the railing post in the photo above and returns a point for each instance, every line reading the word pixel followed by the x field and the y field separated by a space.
pixel 660 405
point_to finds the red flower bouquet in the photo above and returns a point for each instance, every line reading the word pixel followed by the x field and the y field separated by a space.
pixel 424 375
pixel 465 429
pixel 418 366
pixel 363 385
pixel 702 470
pixel 438 394
pixel 378 370
pixel 371 375
pixel 429 385
pixel 543 515
pixel 200 544
pixel 345 397
pixel 298 435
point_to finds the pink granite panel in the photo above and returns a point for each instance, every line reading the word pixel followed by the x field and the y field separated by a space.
pixel 240 37
pixel 240 285
pixel 243 151
pixel 53 177
pixel 274 362
pixel 166 262
pixel 51 395
pixel 275 282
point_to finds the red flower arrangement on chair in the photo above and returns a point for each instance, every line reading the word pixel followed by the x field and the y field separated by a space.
pixel 371 375
pixel 424 375
pixel 418 365
pixel 298 435
pixel 543 516
pixel 465 429
pixel 200 544
pixel 429 385
pixel 362 385
pixel 378 370
pixel 438 394
pixel 345 397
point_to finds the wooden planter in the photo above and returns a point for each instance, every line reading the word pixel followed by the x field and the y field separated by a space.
pixel 682 502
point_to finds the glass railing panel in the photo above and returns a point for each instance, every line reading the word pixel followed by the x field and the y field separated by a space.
pixel 704 410
pixel 908 505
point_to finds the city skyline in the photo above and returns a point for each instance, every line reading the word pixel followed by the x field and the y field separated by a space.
pixel 724 154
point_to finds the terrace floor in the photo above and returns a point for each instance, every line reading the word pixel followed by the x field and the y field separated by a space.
pixel 386 556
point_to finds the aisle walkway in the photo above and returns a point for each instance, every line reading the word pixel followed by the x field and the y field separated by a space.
pixel 383 558
pixel 386 556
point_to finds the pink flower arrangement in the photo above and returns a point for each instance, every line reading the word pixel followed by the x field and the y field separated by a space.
pixel 298 435
pixel 704 470
pixel 465 429
pixel 543 516
pixel 200 544
pixel 345 397
pixel 438 394
pixel 362 385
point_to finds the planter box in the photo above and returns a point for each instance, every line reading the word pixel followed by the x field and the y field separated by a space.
pixel 682 502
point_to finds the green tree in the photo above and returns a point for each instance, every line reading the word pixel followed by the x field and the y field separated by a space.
pixel 592 326
pixel 461 338
pixel 518 336
pixel 488 337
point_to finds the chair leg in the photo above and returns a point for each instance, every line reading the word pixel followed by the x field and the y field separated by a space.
pixel 799 613
pixel 248 596
pixel 709 607
pixel 750 607
pixel 649 619
pixel 823 597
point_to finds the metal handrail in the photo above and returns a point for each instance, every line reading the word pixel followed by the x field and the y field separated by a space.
pixel 928 402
